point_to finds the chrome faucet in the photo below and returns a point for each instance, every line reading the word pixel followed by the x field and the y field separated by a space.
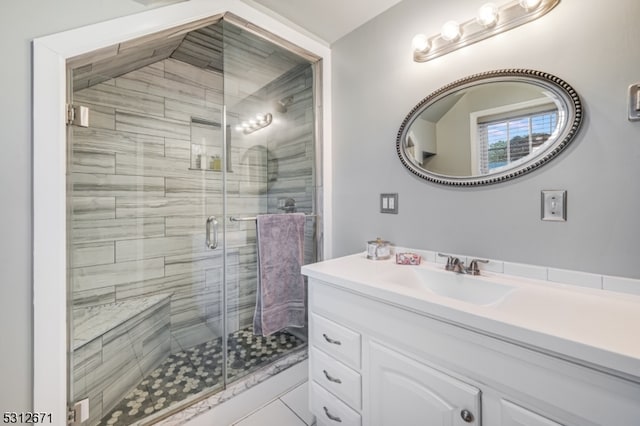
pixel 473 266
pixel 456 265
pixel 453 263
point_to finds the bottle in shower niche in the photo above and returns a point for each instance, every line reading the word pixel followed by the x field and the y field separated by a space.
pixel 200 161
pixel 216 163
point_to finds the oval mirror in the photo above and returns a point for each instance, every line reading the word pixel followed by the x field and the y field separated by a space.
pixel 489 127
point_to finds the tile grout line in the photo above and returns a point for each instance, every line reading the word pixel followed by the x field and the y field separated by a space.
pixel 261 408
pixel 271 402
pixel 292 410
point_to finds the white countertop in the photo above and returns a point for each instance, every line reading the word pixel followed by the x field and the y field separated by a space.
pixel 593 327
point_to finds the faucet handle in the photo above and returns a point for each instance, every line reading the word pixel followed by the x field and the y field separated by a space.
pixel 473 266
pixel 451 261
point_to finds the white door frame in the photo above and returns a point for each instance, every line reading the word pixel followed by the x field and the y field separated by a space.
pixel 50 54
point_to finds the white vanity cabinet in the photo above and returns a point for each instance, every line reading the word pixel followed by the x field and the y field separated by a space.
pixel 375 363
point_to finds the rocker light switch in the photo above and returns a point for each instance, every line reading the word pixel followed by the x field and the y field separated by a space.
pixel 389 203
pixel 634 102
pixel 554 206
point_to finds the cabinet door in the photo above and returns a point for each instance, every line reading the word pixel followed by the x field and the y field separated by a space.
pixel 514 415
pixel 406 392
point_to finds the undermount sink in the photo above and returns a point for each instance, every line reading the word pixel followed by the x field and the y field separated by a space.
pixel 470 289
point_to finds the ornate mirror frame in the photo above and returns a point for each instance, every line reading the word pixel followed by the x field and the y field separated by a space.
pixel 565 93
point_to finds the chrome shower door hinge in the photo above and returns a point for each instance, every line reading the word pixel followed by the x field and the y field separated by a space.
pixel 77 115
pixel 78 412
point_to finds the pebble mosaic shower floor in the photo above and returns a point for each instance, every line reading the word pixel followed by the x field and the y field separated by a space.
pixel 192 371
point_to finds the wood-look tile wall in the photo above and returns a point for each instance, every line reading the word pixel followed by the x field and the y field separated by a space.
pixel 139 208
pixel 108 366
pixel 293 149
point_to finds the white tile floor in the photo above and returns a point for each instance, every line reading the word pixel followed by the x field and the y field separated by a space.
pixel 288 410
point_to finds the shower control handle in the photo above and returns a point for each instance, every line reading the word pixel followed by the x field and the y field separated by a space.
pixel 209 243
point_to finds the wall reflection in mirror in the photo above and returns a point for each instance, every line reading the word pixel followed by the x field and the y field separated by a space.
pixel 489 127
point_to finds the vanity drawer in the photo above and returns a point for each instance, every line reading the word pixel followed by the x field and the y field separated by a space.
pixel 329 410
pixel 335 340
pixel 336 377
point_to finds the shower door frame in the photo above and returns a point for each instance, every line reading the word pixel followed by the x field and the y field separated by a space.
pixel 50 56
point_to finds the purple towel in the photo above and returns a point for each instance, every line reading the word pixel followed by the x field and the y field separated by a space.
pixel 281 295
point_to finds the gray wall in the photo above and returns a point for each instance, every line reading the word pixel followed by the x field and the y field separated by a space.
pixel 590 44
pixel 20 22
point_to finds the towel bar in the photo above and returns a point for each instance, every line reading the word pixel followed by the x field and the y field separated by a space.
pixel 249 218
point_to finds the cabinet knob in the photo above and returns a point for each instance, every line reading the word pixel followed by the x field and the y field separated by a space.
pixel 466 416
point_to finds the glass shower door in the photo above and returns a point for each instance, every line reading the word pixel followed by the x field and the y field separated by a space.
pixel 146 209
pixel 268 94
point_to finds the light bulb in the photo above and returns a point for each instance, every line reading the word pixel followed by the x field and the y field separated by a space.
pixel 450 31
pixel 487 15
pixel 530 4
pixel 420 43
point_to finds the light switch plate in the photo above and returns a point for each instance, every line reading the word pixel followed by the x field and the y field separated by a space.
pixel 554 205
pixel 389 203
pixel 634 102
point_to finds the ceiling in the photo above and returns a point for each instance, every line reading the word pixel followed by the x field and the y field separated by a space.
pixel 246 57
pixel 328 20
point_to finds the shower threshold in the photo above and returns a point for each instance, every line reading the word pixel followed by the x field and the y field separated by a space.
pixel 191 374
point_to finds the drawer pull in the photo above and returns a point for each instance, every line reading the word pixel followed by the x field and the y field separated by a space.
pixel 331 416
pixel 330 340
pixel 331 379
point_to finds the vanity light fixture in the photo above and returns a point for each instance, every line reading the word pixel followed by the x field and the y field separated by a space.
pixel 529 4
pixel 450 31
pixel 420 42
pixel 259 122
pixel 490 20
pixel 488 15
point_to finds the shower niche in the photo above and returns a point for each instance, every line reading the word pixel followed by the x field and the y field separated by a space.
pixel 206 152
pixel 157 319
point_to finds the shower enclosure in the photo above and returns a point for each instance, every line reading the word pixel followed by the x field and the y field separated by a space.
pixel 189 136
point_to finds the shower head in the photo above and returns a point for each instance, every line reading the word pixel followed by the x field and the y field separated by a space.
pixel 282 104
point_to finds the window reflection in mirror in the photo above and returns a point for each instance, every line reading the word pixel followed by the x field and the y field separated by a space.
pixel 506 141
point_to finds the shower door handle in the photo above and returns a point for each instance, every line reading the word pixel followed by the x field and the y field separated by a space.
pixel 209 243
